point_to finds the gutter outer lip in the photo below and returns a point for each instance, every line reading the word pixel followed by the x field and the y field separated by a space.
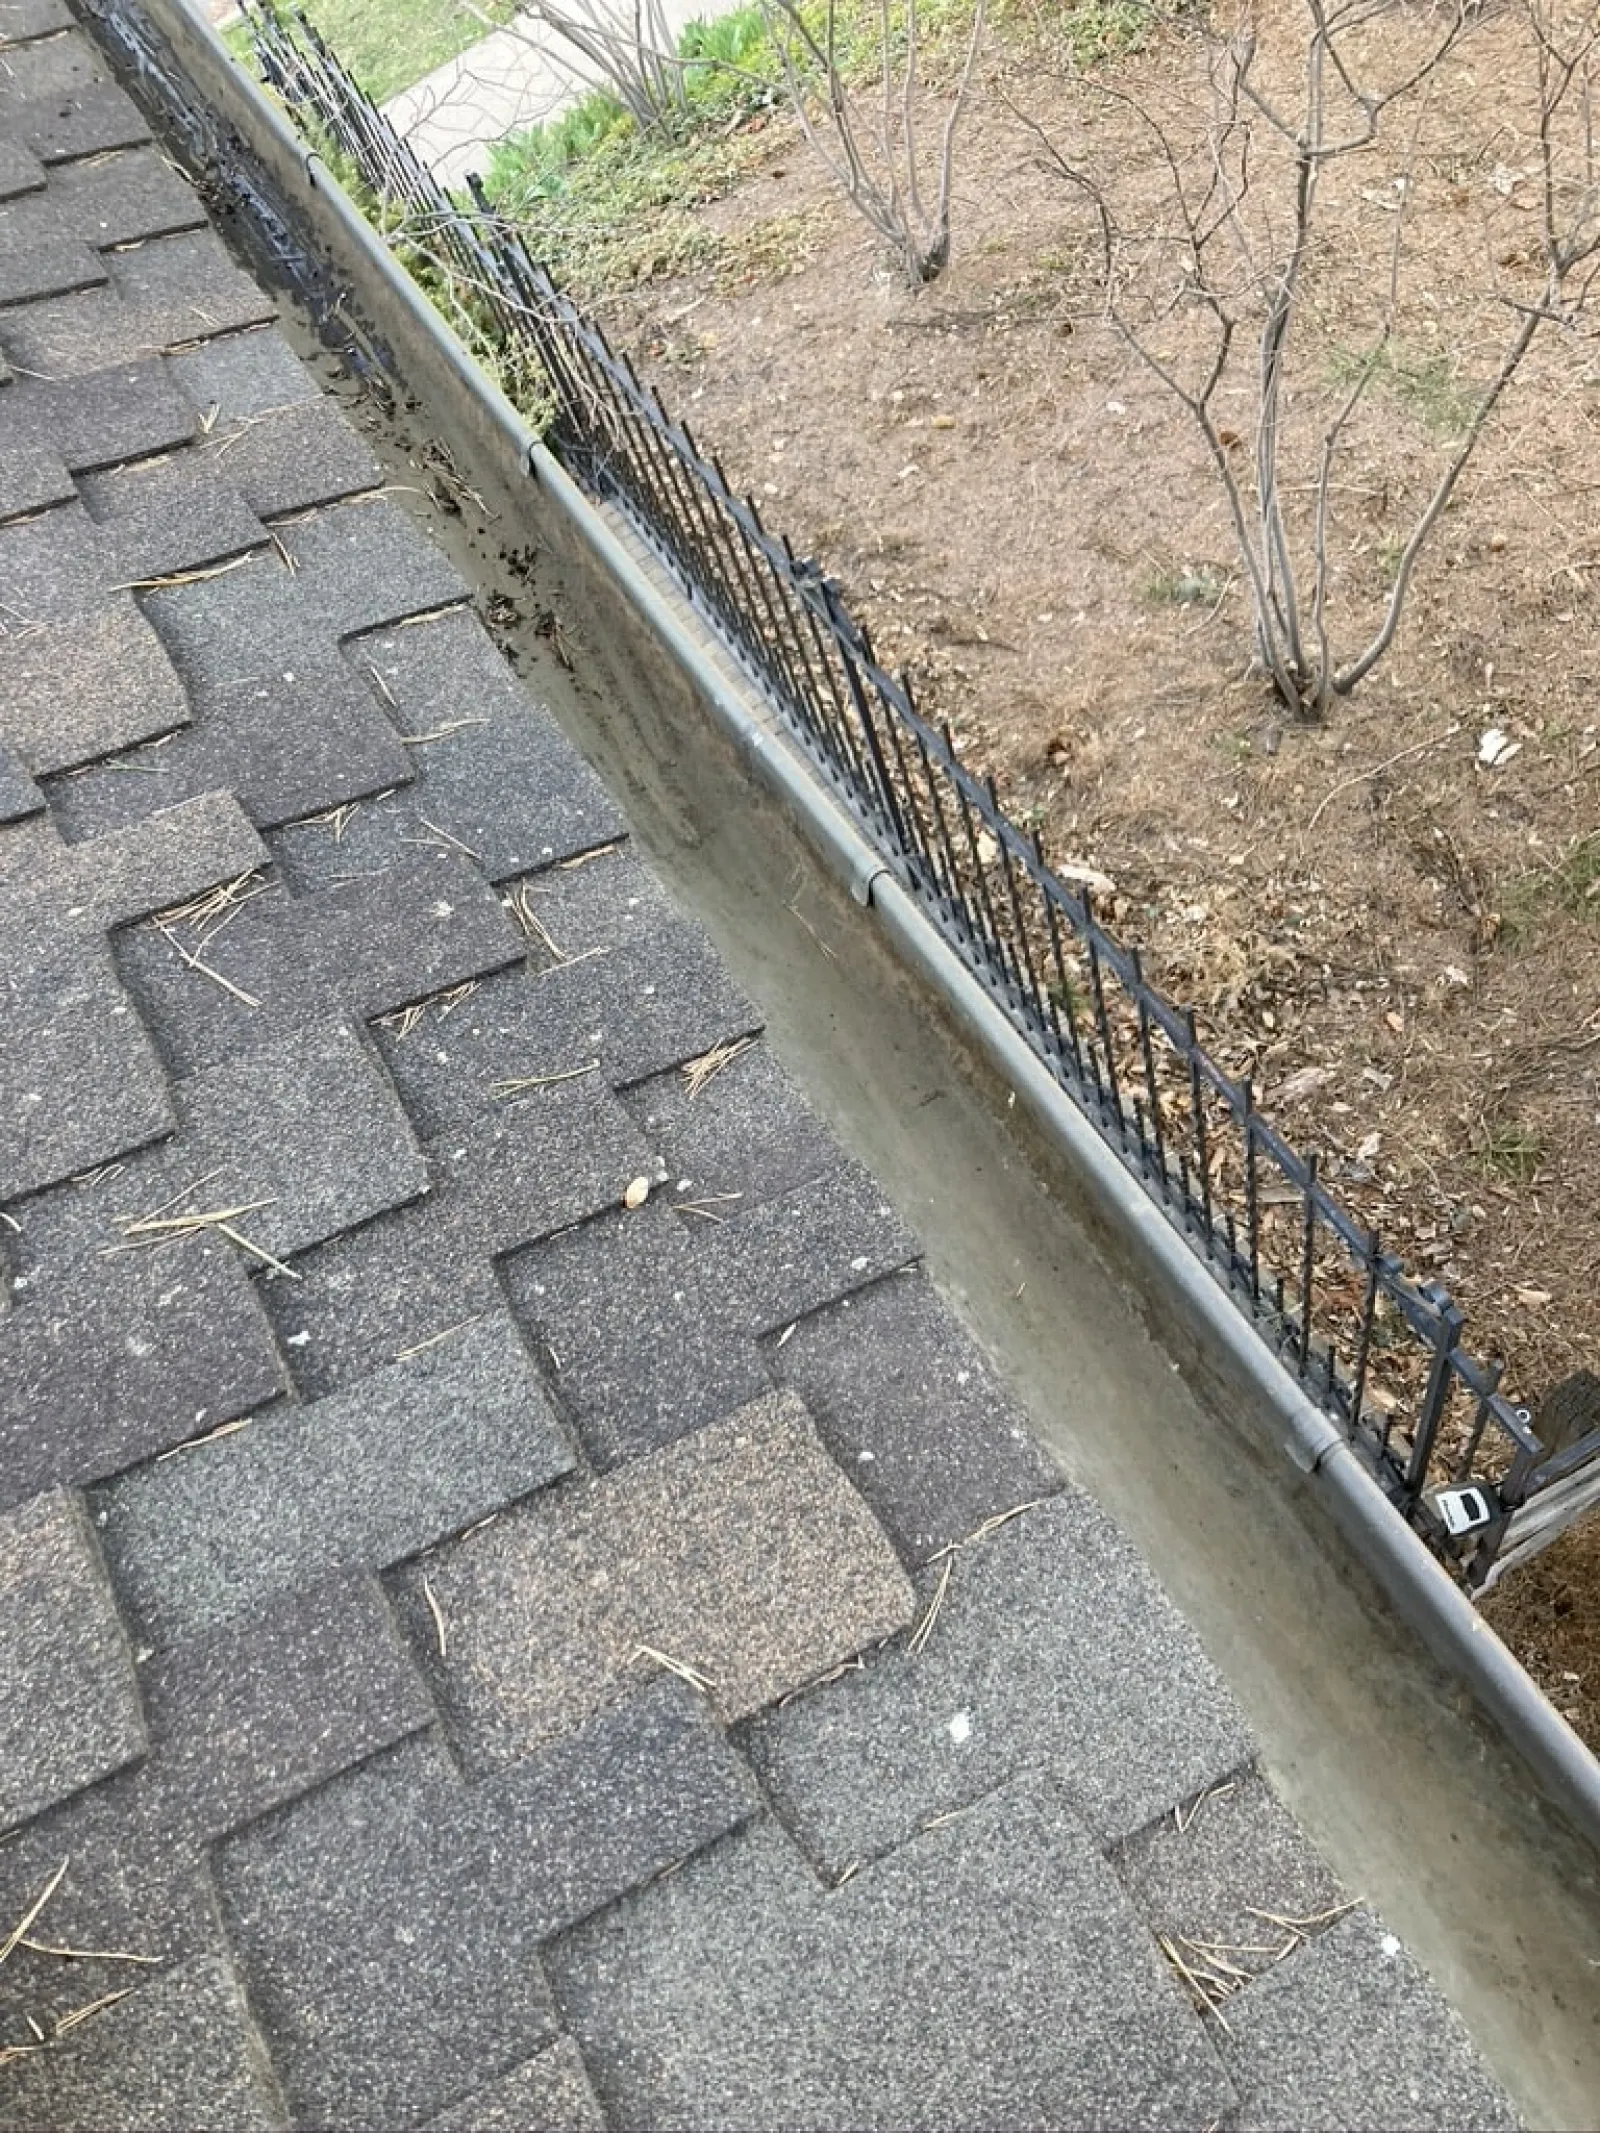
pixel 1416 1585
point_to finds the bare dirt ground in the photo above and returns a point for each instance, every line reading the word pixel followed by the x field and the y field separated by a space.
pixel 1400 943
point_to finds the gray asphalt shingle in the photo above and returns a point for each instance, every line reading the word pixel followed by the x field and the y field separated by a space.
pixel 80 1082
pixel 181 2050
pixel 740 1553
pixel 250 1716
pixel 21 19
pixel 784 1258
pixel 127 1357
pixel 550 2090
pixel 426 924
pixel 50 240
pixel 391 1923
pixel 364 1477
pixel 87 675
pixel 373 1292
pixel 173 289
pixel 304 1131
pixel 914 1413
pixel 51 428
pixel 163 520
pixel 69 1704
pixel 743 1130
pixel 987 1974
pixel 1052 1645
pixel 19 795
pixel 1350 2035
pixel 1219 1872
pixel 628 984
pixel 57 98
pixel 644 1351
pixel 498 773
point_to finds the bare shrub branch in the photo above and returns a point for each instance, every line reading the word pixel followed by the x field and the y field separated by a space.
pixel 1240 228
pixel 629 51
pixel 901 192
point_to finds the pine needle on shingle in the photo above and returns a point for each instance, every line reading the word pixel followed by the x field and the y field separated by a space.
pixel 697 1072
pixel 680 1667
pixel 918 1641
pixel 19 1931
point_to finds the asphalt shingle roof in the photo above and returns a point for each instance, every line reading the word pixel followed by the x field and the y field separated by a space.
pixel 479 1647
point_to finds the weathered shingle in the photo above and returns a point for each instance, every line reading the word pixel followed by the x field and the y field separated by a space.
pixel 179 2050
pixel 69 1704
pixel 370 1294
pixel 51 240
pixel 305 1131
pixel 89 675
pixel 1217 1873
pixel 988 1974
pixel 1350 2035
pixel 167 519
pixel 741 1553
pixel 171 290
pixel 785 1257
pixel 389 1926
pixel 643 1350
pixel 493 770
pixel 914 1413
pixel 56 95
pixel 80 1083
pixel 549 2090
pixel 51 428
pixel 427 924
pixel 1052 1645
pixel 364 1477
pixel 743 1130
pixel 628 985
pixel 252 1715
pixel 117 1359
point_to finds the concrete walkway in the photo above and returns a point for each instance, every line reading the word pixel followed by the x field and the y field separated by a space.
pixel 519 1604
pixel 512 79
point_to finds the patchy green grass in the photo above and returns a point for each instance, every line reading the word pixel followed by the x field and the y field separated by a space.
pixel 1425 384
pixel 606 206
pixel 1509 1151
pixel 1103 29
pixel 620 214
pixel 389 44
pixel 1571 884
